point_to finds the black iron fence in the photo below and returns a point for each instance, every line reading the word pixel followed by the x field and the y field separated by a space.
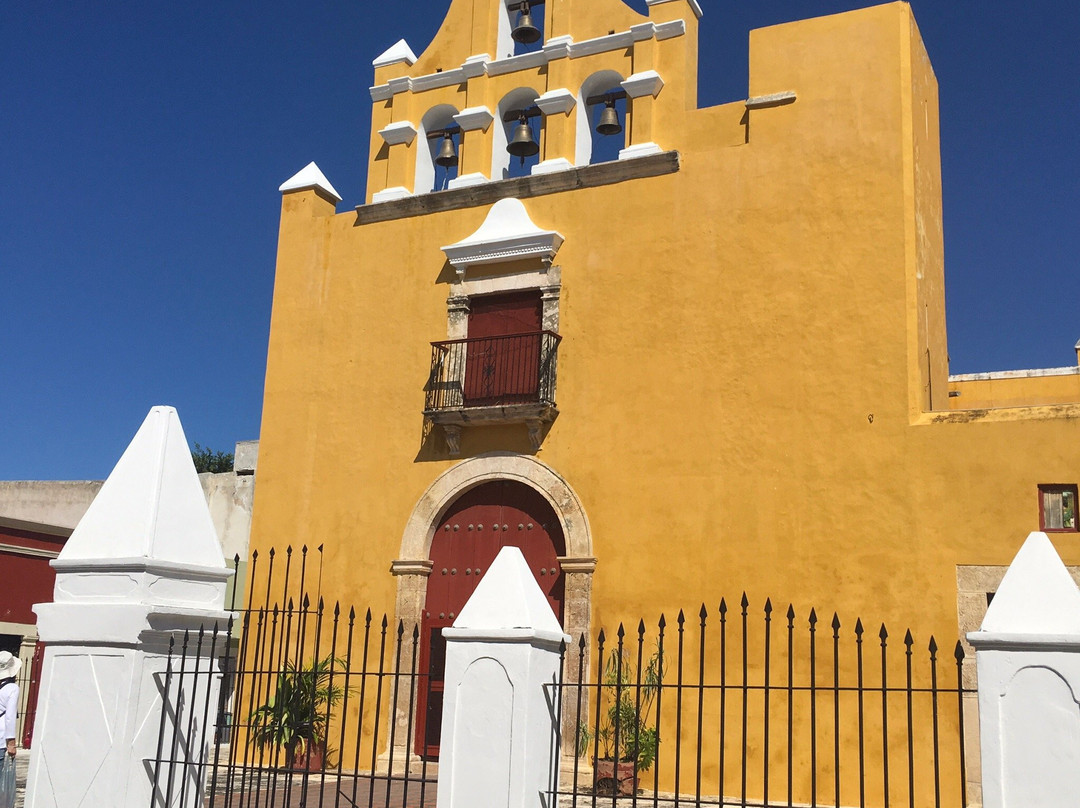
pixel 753 708
pixel 742 707
pixel 492 371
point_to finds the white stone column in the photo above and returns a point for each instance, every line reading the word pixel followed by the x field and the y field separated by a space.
pixel 143 566
pixel 1028 658
pixel 500 726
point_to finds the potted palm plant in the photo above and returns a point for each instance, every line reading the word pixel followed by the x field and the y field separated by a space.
pixel 295 717
pixel 626 728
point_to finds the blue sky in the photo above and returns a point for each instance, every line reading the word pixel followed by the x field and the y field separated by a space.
pixel 141 146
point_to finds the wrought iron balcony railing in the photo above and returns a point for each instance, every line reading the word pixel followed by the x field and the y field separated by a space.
pixel 492 372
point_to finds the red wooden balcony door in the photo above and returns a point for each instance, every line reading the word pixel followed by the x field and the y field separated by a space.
pixel 501 368
pixel 467 539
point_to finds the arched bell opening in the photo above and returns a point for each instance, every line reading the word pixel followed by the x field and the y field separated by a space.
pixel 438 149
pixel 602 123
pixel 519 120
pixel 522 28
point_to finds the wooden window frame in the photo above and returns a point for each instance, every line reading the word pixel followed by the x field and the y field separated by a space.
pixel 1058 488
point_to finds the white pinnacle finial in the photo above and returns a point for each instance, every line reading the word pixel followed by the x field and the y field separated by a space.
pixel 1037 595
pixel 398 52
pixel 152 505
pixel 310 177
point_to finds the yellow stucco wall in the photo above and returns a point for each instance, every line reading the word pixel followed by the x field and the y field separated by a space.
pixel 752 383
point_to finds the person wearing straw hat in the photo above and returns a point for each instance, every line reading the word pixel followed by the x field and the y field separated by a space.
pixel 9 697
pixel 9 706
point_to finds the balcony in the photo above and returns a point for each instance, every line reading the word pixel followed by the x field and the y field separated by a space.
pixel 493 380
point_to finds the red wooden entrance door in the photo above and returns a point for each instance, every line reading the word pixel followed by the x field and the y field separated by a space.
pixel 467 539
pixel 502 361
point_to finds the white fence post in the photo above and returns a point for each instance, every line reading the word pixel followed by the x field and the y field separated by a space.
pixel 143 566
pixel 1028 658
pixel 500 728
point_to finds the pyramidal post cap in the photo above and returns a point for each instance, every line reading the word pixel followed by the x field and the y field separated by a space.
pixel 398 52
pixel 151 506
pixel 1036 597
pixel 508 597
pixel 310 177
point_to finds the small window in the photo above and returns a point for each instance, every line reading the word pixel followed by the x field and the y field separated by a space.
pixel 1057 508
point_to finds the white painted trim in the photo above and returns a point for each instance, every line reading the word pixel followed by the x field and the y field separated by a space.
pixel 507 233
pixel 432 81
pixel 397 53
pixel 466 180
pixel 474 118
pixel 398 133
pixel 771 100
pixel 639 150
pixel 694 5
pixel 310 177
pixel 647 82
pixel 556 48
pixel 529 635
pixel 390 194
pixel 558 101
pixel 601 44
pixel 552 166
pixel 28 552
pixel 523 61
pixel 1014 374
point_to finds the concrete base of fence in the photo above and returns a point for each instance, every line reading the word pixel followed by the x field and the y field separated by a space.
pixel 142 569
pixel 1028 654
pixel 500 724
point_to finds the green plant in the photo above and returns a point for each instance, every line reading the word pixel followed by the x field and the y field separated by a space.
pixel 626 724
pixel 206 459
pixel 295 716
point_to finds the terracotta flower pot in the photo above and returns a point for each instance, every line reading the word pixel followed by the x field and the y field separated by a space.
pixel 308 758
pixel 609 778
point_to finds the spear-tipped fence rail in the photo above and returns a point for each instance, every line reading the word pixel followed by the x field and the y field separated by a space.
pixel 730 707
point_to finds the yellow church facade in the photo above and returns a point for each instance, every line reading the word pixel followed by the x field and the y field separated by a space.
pixel 714 363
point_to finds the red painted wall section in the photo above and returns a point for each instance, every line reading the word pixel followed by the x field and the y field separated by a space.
pixel 29 579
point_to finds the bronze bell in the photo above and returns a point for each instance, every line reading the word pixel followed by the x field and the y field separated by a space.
pixel 447 155
pixel 525 31
pixel 609 120
pixel 522 144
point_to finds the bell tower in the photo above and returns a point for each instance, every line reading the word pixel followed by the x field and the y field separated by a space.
pixel 512 88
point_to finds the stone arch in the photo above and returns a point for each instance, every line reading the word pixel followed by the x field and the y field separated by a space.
pixel 600 82
pixel 413 566
pixel 455 481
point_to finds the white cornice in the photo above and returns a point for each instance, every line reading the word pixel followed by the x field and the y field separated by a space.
pixel 474 118
pixel 523 62
pixel 447 78
pixel 558 101
pixel 507 234
pixel 398 133
pixel 647 82
pixel 602 44
pixel 557 48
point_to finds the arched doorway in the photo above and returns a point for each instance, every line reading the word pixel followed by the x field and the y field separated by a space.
pixel 479 523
